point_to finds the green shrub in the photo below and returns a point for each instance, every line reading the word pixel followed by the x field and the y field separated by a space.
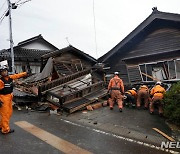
pixel 172 104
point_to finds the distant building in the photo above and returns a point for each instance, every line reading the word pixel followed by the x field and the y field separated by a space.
pixel 151 51
pixel 27 54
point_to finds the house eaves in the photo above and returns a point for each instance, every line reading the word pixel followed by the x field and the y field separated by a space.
pixel 72 49
pixel 24 53
pixel 28 41
pixel 153 17
pixel 151 55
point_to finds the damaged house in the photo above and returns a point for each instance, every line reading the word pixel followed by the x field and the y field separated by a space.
pixel 69 79
pixel 27 54
pixel 150 52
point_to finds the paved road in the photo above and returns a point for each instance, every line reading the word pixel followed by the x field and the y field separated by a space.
pixel 23 141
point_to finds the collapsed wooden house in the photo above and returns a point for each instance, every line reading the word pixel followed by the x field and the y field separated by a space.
pixel 150 52
pixel 69 79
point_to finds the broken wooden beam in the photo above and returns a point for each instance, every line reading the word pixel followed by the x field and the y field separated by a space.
pixel 47 86
pixel 163 134
pixel 55 98
pixel 149 76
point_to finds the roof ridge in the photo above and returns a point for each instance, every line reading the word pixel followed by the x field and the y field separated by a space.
pixel 30 39
pixel 26 49
pixel 156 14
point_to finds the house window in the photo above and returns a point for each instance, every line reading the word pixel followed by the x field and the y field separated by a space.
pixel 18 68
pixel 178 68
pixel 172 69
pixel 35 69
pixel 164 70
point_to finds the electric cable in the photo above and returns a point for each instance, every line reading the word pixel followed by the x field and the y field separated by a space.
pixel 95 29
pixel 2 5
pixel 3 16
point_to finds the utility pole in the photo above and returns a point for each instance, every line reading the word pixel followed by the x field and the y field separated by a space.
pixel 10 34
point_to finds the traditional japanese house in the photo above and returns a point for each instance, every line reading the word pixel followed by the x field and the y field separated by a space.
pixel 68 60
pixel 75 82
pixel 27 54
pixel 150 52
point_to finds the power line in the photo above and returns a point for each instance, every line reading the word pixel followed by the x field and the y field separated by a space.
pixel 3 16
pixel 18 1
pixel 14 6
pixel 19 4
pixel 95 29
pixel 8 13
pixel 3 5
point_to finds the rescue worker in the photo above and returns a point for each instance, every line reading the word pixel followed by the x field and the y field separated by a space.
pixel 143 95
pixel 116 89
pixel 6 96
pixel 130 97
pixel 157 93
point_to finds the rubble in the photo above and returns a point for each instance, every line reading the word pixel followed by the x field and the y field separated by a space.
pixel 68 88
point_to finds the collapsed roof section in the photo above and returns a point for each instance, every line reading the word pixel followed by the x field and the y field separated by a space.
pixel 73 91
pixel 69 79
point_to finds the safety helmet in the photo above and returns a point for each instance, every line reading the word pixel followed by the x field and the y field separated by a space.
pixel 134 89
pixel 116 73
pixel 3 65
pixel 144 86
pixel 2 68
pixel 158 83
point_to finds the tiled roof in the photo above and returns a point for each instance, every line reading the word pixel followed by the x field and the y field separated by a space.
pixel 156 17
pixel 25 53
pixel 31 53
pixel 72 49
pixel 39 37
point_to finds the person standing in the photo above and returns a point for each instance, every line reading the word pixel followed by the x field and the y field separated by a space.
pixel 157 93
pixel 116 89
pixel 6 97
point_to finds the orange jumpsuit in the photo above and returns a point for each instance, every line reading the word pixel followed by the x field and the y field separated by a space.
pixel 131 96
pixel 143 93
pixel 158 93
pixel 116 87
pixel 6 99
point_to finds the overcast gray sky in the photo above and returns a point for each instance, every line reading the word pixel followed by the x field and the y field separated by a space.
pixel 57 20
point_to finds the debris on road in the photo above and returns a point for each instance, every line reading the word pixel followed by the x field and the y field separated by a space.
pixel 70 84
pixel 163 134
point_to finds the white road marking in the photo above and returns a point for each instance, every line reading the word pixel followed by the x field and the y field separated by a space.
pixel 123 138
pixel 51 139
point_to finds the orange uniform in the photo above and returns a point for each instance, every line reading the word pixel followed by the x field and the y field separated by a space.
pixel 158 93
pixel 132 92
pixel 6 99
pixel 131 96
pixel 116 87
pixel 143 93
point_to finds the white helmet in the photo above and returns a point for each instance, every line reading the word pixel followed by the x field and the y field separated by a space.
pixel 116 73
pixel 3 68
pixel 158 83
pixel 134 89
pixel 3 65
